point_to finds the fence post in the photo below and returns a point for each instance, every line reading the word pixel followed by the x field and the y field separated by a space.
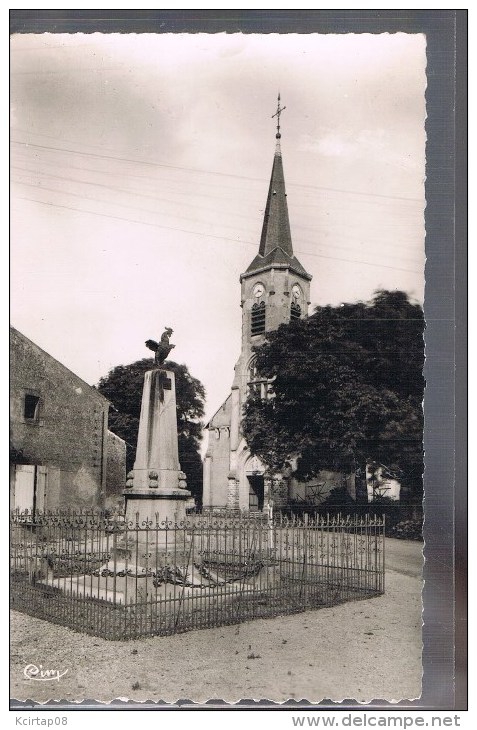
pixel 270 527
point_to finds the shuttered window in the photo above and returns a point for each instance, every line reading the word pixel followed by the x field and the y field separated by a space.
pixel 258 318
pixel 295 312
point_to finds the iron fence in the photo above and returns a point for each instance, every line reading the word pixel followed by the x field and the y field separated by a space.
pixel 104 575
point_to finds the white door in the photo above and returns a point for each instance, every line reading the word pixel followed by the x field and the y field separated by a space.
pixel 24 487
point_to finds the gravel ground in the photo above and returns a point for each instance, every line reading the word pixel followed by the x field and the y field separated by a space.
pixel 362 650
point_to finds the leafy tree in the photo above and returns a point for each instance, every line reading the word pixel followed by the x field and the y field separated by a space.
pixel 123 387
pixel 348 389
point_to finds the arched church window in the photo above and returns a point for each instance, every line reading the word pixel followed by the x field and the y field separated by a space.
pixel 295 309
pixel 252 370
pixel 258 318
pixel 258 386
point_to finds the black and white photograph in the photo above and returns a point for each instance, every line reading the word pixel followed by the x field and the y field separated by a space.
pixel 217 351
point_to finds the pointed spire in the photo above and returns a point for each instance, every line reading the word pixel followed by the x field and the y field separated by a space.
pixel 276 249
pixel 276 225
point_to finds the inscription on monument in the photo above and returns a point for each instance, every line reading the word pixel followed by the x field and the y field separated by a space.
pixel 165 382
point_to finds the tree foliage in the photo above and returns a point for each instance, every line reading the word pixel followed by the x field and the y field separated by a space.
pixel 348 389
pixel 123 387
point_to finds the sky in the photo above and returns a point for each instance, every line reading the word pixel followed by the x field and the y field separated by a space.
pixel 139 174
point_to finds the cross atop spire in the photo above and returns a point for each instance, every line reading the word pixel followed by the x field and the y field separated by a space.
pixel 276 249
pixel 277 115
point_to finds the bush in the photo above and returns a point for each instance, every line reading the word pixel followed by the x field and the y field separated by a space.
pixel 338 501
pixel 406 530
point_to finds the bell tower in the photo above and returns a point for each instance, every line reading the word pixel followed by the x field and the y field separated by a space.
pixel 275 288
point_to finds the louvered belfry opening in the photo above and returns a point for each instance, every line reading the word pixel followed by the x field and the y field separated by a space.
pixel 295 311
pixel 258 318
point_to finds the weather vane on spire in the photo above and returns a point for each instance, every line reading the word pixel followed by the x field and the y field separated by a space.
pixel 277 115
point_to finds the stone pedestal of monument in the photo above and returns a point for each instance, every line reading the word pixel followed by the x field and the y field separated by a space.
pixel 156 491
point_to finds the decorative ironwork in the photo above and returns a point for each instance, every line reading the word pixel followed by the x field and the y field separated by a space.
pixel 119 578
pixel 277 115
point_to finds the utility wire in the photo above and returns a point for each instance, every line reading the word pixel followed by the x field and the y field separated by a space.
pixel 169 201
pixel 208 235
pixel 156 198
pixel 209 172
pixel 181 184
pixel 121 205
pixel 297 203
pixel 148 210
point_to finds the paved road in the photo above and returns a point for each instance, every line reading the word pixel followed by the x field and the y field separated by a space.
pixel 404 557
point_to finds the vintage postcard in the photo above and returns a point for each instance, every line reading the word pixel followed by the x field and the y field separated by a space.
pixel 218 304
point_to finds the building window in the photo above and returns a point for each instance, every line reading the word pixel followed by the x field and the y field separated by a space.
pixel 252 370
pixel 31 407
pixel 258 387
pixel 258 318
pixel 297 298
pixel 295 311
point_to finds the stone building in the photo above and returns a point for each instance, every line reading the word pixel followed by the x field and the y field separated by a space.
pixel 275 288
pixel 115 468
pixel 61 452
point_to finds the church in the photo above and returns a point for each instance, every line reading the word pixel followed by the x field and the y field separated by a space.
pixel 275 289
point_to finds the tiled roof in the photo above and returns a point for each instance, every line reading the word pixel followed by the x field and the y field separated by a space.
pixel 276 226
pixel 277 259
pixel 276 247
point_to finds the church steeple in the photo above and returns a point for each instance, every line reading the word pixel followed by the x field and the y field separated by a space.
pixel 275 291
pixel 276 225
pixel 276 248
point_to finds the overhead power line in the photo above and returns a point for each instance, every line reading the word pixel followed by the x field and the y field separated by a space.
pixel 121 205
pixel 182 185
pixel 115 188
pixel 208 235
pixel 209 172
pixel 299 203
pixel 190 204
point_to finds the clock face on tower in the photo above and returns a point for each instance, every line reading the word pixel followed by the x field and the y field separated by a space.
pixel 258 290
pixel 296 291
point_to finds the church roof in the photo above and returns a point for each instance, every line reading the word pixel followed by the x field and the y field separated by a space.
pixel 278 259
pixel 221 416
pixel 276 248
pixel 276 226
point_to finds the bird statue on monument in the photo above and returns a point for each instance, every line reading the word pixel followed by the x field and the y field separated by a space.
pixel 161 348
